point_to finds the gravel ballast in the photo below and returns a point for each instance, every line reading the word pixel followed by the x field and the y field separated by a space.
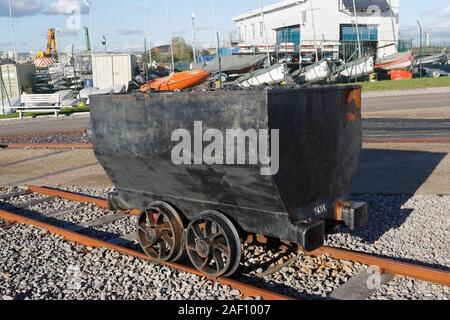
pixel 35 265
pixel 48 138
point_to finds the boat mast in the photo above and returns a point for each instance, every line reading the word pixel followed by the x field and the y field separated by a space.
pixel 265 31
pixel 314 30
pixel 193 31
pixel 170 35
pixel 219 60
pixel 391 10
pixel 91 31
pixel 357 29
pixel 300 36
pixel 148 31
pixel 12 30
pixel 213 3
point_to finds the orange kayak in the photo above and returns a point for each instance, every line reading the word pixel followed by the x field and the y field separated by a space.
pixel 176 81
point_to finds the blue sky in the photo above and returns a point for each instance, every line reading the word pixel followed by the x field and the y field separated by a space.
pixel 124 22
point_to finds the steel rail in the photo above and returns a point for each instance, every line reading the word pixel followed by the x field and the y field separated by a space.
pixel 70 196
pixel 388 265
pixel 423 140
pixel 244 289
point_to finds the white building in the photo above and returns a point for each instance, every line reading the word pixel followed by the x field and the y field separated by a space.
pixel 328 24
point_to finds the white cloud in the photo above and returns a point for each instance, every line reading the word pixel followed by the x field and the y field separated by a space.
pixel 67 7
pixel 21 8
pixel 446 12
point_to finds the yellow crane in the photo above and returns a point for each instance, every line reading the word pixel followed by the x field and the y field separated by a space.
pixel 51 51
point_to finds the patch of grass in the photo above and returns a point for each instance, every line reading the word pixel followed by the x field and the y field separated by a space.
pixel 64 111
pixel 406 84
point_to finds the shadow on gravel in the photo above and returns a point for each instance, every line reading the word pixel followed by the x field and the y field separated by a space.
pixel 386 180
pixel 394 171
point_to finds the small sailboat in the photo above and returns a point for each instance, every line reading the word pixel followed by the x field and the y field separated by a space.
pixel 176 81
pixel 356 68
pixel 275 74
pixel 396 61
pixel 234 64
pixel 313 73
pixel 441 58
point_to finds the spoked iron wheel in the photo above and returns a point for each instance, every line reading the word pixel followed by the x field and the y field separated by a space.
pixel 213 245
pixel 161 232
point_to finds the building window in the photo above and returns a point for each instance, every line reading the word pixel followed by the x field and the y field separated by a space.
pixel 368 36
pixel 288 34
pixel 239 35
pixel 261 29
pixel 366 33
pixel 245 34
pixel 253 30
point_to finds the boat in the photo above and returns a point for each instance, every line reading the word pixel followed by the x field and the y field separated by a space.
pixel 268 76
pixel 177 81
pixel 396 61
pixel 233 64
pixel 314 72
pixel 357 68
pixel 441 58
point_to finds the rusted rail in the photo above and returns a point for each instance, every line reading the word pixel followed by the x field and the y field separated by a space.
pixel 386 264
pixel 436 140
pixel 389 265
pixel 70 196
pixel 245 289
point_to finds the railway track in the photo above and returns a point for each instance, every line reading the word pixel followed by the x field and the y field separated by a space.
pixel 89 146
pixel 13 214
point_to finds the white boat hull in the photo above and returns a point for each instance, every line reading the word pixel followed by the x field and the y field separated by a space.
pixel 272 76
pixel 319 72
pixel 358 69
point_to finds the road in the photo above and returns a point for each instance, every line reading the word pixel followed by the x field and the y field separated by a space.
pixel 407 103
pixel 389 117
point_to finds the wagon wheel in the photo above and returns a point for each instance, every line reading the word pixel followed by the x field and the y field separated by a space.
pixel 161 232
pixel 213 244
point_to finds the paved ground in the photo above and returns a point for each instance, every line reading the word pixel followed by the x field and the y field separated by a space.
pixel 384 169
pixel 413 106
